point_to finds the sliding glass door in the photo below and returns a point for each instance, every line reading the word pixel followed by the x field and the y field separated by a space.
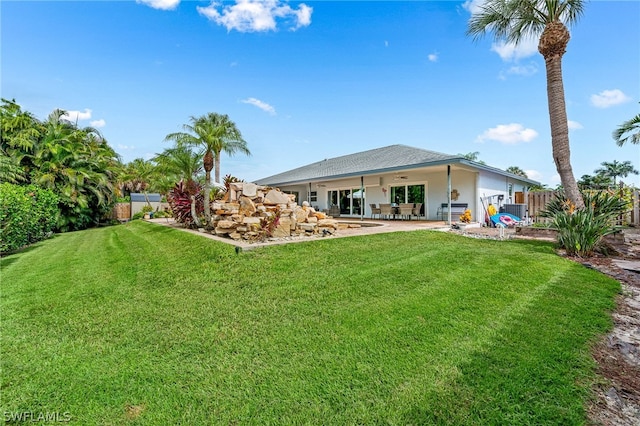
pixel 349 201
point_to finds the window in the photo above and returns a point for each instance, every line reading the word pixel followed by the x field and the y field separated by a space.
pixel 313 197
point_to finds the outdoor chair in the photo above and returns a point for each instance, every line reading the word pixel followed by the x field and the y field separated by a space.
pixel 375 211
pixel 385 211
pixel 405 210
pixel 416 210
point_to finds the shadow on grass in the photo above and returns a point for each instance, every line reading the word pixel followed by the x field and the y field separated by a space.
pixel 8 258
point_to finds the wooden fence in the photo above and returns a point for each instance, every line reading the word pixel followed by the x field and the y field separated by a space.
pixel 538 200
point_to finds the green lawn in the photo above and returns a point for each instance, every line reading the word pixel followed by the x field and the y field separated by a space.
pixel 142 324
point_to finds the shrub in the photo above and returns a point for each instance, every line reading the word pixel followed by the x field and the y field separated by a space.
pixel 27 214
pixel 179 199
pixel 580 232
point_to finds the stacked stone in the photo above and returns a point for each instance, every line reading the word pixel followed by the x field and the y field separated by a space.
pixel 248 209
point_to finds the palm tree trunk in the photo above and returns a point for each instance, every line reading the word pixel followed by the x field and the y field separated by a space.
pixel 208 165
pixel 217 166
pixel 560 129
pixel 207 191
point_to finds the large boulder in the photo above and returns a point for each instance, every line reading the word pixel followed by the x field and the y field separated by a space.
pixel 276 197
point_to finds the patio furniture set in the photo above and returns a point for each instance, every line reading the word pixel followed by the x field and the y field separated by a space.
pixel 393 211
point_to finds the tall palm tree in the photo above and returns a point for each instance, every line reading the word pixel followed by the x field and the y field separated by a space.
pixel 615 169
pixel 213 133
pixel 629 131
pixel 516 20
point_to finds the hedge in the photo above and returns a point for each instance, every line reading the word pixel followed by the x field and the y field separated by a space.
pixel 27 214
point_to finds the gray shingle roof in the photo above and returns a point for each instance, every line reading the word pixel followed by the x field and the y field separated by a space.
pixel 386 159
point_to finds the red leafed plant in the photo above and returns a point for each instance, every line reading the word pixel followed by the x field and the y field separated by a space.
pixel 179 199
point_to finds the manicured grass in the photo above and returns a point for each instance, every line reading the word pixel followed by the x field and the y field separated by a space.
pixel 142 324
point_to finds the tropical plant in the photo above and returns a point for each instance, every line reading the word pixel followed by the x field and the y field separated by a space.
pixel 629 131
pixel 580 232
pixel 515 170
pixel 472 156
pixel 615 168
pixel 179 162
pixel 187 203
pixel 136 176
pixel 77 165
pixel 19 133
pixel 213 133
pixel 597 181
pixel 516 20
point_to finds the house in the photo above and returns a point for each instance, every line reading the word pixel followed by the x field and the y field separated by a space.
pixel 404 174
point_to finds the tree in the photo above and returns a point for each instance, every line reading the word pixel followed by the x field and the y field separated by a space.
pixel 472 156
pixel 19 133
pixel 516 20
pixel 176 164
pixel 516 171
pixel 598 181
pixel 629 131
pixel 213 133
pixel 614 169
pixel 77 164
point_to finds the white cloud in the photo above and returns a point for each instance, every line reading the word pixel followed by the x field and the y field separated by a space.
pixel 574 125
pixel 534 175
pixel 511 52
pixel 98 123
pixel 524 70
pixel 608 98
pixel 126 147
pixel 256 15
pixel 386 43
pixel 433 57
pixel 473 6
pixel 161 4
pixel 75 116
pixel 509 134
pixel 262 105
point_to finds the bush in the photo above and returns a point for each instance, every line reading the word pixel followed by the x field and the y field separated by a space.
pixel 27 214
pixel 580 232
pixel 180 202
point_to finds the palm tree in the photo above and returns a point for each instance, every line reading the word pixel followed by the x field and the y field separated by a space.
pixel 213 133
pixel 76 164
pixel 516 171
pixel 472 156
pixel 176 164
pixel 179 162
pixel 614 169
pixel 598 181
pixel 629 131
pixel 516 20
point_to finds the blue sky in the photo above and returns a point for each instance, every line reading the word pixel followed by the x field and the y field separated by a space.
pixel 305 81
